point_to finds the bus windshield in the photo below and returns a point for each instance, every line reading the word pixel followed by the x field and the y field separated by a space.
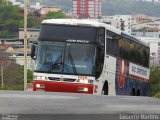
pixel 67 58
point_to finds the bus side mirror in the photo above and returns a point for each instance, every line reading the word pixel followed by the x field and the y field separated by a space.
pixel 33 51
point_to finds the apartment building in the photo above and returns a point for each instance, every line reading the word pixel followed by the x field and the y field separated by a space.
pixel 86 8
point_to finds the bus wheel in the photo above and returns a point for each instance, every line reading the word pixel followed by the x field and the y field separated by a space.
pixel 133 93
pixel 138 93
pixel 105 88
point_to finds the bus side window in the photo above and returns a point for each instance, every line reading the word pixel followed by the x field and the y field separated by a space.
pixel 101 36
pixel 112 47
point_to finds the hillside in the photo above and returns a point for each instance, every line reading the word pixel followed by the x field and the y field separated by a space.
pixel 111 7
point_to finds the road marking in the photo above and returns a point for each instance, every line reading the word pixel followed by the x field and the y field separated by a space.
pixel 21 96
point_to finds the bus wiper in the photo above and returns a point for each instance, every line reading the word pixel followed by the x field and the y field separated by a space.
pixel 56 65
pixel 72 62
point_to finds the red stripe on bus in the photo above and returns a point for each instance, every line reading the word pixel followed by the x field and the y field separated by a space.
pixel 138 78
pixel 63 87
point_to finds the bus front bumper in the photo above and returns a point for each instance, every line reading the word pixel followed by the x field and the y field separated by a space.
pixel 51 86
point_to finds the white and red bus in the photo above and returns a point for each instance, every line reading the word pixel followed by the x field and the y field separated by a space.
pixel 83 56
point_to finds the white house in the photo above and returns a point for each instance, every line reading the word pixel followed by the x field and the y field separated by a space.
pixel 124 22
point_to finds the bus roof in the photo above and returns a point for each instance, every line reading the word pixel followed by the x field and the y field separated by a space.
pixel 88 22
pixel 80 22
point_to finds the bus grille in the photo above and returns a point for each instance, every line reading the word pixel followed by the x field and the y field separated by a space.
pixel 64 79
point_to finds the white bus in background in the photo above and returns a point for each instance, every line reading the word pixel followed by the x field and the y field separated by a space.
pixel 83 56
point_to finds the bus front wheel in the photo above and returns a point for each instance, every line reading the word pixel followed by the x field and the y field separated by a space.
pixel 105 88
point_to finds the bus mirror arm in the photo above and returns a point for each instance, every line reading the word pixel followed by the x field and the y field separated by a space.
pixel 33 51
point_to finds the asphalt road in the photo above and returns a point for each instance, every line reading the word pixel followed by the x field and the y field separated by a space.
pixel 47 105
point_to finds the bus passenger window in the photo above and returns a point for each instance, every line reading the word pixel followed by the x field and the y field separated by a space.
pixel 112 44
pixel 101 36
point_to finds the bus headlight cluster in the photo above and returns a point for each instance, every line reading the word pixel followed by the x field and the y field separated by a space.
pixel 86 81
pixel 40 78
pixel 83 81
pixel 40 86
pixel 83 89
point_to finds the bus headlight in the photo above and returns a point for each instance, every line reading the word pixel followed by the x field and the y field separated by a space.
pixel 86 81
pixel 37 85
pixel 40 86
pixel 86 89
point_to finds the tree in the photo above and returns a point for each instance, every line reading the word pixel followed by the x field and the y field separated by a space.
pixel 55 15
pixel 32 22
pixel 9 20
pixel 154 81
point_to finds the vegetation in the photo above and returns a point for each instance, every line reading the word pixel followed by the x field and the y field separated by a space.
pixel 13 74
pixel 154 82
pixel 157 95
pixel 58 14
pixel 32 22
pixel 13 77
pixel 9 20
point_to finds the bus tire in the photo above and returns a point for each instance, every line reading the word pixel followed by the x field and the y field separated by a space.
pixel 138 93
pixel 105 88
pixel 133 92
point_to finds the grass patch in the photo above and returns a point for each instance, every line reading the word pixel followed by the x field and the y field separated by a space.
pixel 18 87
pixel 5 88
pixel 157 95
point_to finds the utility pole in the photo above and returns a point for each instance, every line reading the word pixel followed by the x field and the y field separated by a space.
pixel 2 76
pixel 7 2
pixel 25 45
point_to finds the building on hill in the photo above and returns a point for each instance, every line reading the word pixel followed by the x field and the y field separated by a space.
pixel 16 54
pixel 6 48
pixel 147 32
pixel 20 4
pixel 86 8
pixel 149 0
pixel 46 10
pixel 15 47
pixel 37 6
pixel 32 34
pixel 137 25
pixel 122 22
pixel 154 44
pixel 146 27
pixel 125 22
